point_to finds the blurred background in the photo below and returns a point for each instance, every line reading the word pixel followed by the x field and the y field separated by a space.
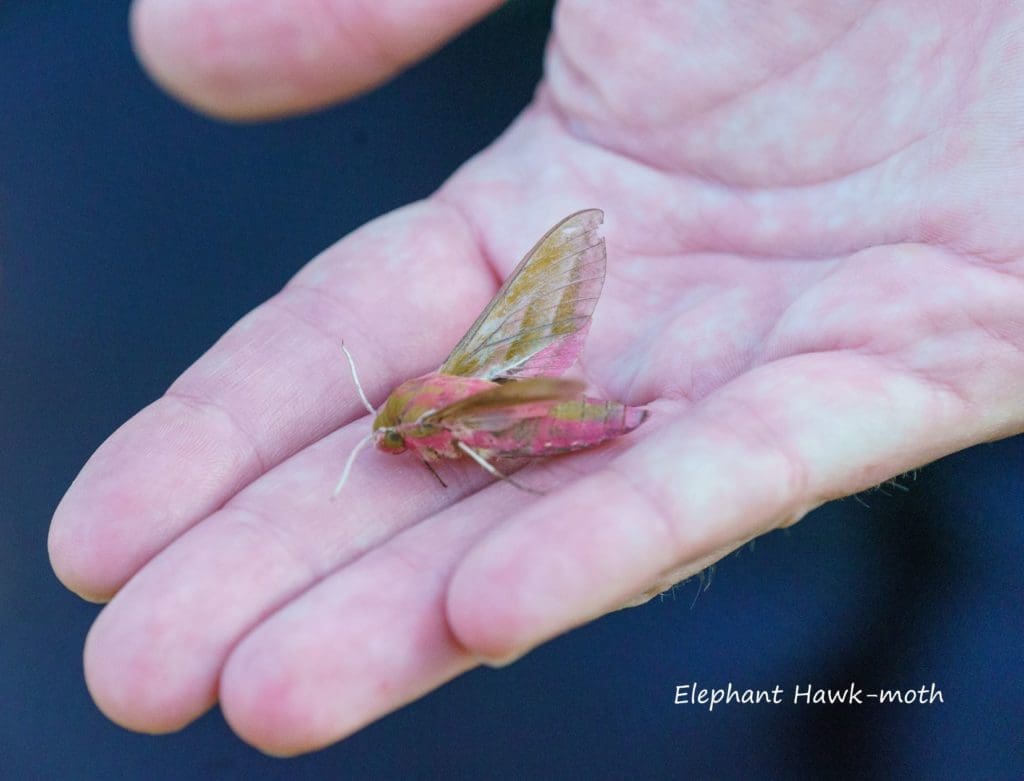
pixel 133 233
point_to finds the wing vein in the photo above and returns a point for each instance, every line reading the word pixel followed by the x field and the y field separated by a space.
pixel 553 305
pixel 557 282
pixel 542 326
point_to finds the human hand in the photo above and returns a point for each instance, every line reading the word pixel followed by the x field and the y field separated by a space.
pixel 814 282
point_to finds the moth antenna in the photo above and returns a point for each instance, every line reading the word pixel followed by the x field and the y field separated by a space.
pixel 348 464
pixel 355 379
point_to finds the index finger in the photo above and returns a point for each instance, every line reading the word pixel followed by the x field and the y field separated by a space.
pixel 274 383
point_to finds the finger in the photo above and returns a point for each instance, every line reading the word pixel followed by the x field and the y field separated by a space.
pixel 178 619
pixel 372 636
pixel 274 383
pixel 757 455
pixel 361 643
pixel 245 59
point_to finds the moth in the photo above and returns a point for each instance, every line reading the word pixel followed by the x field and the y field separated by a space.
pixel 499 394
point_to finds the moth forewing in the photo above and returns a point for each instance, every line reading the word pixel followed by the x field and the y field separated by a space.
pixel 511 395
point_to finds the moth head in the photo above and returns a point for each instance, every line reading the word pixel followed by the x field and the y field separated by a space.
pixel 389 440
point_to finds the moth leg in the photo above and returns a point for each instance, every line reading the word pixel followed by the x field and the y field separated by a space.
pixel 493 470
pixel 434 472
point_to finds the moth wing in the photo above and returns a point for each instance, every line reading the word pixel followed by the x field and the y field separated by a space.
pixel 536 323
pixel 511 401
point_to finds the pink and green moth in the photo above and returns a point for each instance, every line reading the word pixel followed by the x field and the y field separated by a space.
pixel 499 394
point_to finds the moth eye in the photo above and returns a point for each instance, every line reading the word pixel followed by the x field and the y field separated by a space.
pixel 390 440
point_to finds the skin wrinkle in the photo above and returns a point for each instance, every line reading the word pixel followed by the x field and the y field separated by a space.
pixel 344 381
pixel 358 23
pixel 844 267
pixel 716 246
pixel 826 491
pixel 732 188
pixel 788 70
pixel 577 75
pixel 931 378
pixel 968 75
pixel 721 102
pixel 560 113
pixel 365 337
pixel 655 334
pixel 702 382
pixel 1014 259
pixel 935 382
pixel 418 566
pixel 553 111
pixel 772 336
pixel 386 537
pixel 263 526
pixel 932 385
pixel 341 305
pixel 766 437
pixel 572 128
pixel 680 321
pixel 410 560
pixel 543 109
pixel 625 392
pixel 664 513
pixel 266 460
pixel 994 335
pixel 994 265
pixel 475 231
pixel 207 404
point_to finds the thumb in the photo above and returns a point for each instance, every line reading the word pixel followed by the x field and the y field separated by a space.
pixel 250 59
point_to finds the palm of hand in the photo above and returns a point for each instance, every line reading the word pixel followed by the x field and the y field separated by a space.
pixel 814 282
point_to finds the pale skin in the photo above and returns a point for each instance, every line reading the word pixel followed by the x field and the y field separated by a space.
pixel 815 283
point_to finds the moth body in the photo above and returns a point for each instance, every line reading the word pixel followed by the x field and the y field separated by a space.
pixel 499 394
pixel 538 417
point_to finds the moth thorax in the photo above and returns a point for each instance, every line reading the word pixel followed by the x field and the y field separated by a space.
pixel 390 413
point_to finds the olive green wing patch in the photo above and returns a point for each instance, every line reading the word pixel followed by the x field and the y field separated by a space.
pixel 536 323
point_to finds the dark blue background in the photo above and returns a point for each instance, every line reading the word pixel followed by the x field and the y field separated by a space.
pixel 133 233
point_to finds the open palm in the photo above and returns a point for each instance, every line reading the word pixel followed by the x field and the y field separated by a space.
pixel 815 282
